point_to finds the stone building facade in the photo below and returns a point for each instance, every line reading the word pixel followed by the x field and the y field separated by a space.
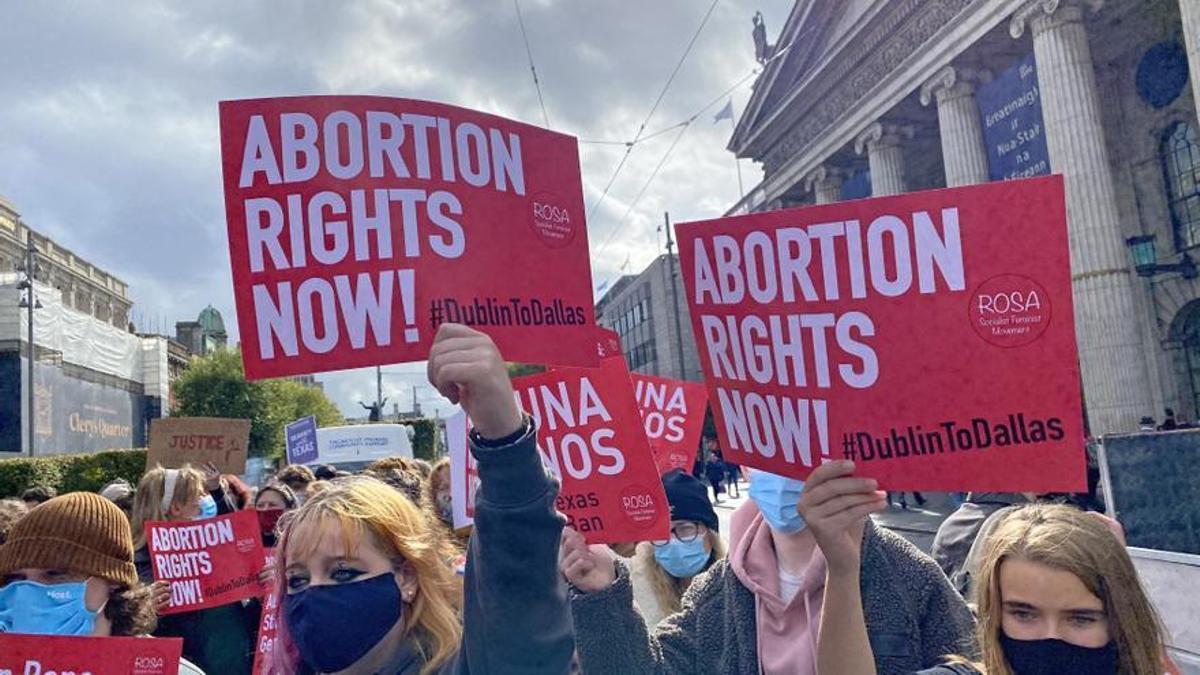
pixel 638 308
pixel 878 97
pixel 84 287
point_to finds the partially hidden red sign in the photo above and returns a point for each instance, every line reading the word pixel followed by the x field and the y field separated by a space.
pixel 929 337
pixel 22 654
pixel 358 224
pixel 673 416
pixel 590 433
pixel 209 562
pixel 268 625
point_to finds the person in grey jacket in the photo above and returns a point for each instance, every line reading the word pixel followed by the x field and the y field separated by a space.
pixel 760 611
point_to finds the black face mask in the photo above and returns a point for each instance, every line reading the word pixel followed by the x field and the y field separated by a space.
pixel 1056 657
pixel 336 625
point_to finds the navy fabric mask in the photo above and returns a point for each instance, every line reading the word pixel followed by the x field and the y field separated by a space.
pixel 1054 657
pixel 334 626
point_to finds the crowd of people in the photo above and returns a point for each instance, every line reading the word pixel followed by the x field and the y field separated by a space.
pixel 373 577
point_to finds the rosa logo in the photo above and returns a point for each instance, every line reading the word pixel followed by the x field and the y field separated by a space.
pixel 1010 310
pixel 149 665
pixel 552 220
pixel 244 545
pixel 639 505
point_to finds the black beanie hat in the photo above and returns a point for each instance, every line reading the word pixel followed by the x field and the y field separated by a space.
pixel 688 498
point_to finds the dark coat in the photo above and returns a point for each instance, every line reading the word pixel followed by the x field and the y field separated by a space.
pixel 914 618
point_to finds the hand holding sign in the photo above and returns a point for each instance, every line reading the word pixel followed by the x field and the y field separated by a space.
pixel 835 504
pixel 466 367
pixel 587 568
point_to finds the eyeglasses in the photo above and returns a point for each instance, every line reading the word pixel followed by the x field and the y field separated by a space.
pixel 685 532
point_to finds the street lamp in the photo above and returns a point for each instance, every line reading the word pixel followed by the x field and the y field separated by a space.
pixel 29 302
pixel 1145 259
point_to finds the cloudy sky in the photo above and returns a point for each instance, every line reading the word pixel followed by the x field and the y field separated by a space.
pixel 108 127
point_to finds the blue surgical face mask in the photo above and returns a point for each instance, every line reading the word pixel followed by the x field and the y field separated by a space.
pixel 682 559
pixel 208 508
pixel 777 498
pixel 41 609
pixel 335 625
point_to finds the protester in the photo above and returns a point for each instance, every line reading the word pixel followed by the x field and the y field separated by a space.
pixel 297 477
pixel 758 611
pixel 11 510
pixel 661 571
pixel 714 469
pixel 232 490
pixel 1058 593
pixel 438 492
pixel 904 499
pixel 316 487
pixel 733 474
pixel 218 639
pixel 365 589
pixel 958 532
pixel 422 467
pixel 325 472
pixel 406 481
pixel 38 494
pixel 270 504
pixel 119 492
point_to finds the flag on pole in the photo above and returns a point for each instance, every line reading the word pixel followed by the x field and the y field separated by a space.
pixel 601 287
pixel 625 265
pixel 726 112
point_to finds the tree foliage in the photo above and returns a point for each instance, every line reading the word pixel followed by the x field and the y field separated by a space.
pixel 216 386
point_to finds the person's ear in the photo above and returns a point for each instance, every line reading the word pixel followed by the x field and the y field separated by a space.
pixel 406 579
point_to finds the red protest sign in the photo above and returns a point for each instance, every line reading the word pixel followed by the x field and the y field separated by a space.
pixel 357 224
pixel 22 654
pixel 590 432
pixel 673 416
pixel 268 625
pixel 208 562
pixel 927 336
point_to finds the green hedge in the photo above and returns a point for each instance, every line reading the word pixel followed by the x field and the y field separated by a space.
pixel 425 439
pixel 71 473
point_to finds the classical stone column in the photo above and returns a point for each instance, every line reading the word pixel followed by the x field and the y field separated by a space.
pixel 825 182
pixel 1189 11
pixel 1115 384
pixel 885 156
pixel 963 151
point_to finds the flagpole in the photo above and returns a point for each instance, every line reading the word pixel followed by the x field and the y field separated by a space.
pixel 736 161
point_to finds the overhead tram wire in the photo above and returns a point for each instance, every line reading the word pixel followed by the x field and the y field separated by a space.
pixel 532 69
pixel 654 108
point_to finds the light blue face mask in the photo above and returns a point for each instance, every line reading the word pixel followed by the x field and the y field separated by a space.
pixel 208 508
pixel 777 498
pixel 682 559
pixel 40 609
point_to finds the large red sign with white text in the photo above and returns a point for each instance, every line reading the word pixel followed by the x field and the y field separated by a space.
pixel 358 224
pixel 56 655
pixel 209 562
pixel 268 625
pixel 673 414
pixel 929 337
pixel 590 432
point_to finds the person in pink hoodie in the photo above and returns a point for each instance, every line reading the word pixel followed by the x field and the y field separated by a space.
pixel 759 611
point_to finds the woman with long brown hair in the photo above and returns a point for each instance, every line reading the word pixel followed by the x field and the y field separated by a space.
pixel 1057 592
pixel 362 571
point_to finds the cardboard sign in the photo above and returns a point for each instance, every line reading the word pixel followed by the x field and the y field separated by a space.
pixel 300 437
pixel 591 436
pixel 673 415
pixel 210 562
pixel 358 224
pixel 175 441
pixel 464 472
pixel 22 654
pixel 268 625
pixel 929 337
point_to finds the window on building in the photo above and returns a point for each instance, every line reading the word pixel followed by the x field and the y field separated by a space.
pixel 1181 163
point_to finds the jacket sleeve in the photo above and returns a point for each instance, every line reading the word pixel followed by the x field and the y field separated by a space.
pixel 516 615
pixel 223 505
pixel 613 638
pixel 947 626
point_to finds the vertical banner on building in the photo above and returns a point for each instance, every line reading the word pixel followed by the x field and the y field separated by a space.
pixel 1011 110
pixel 927 336
pixel 300 437
pixel 591 435
pixel 673 415
pixel 268 625
pixel 358 224
pixel 209 562
pixel 22 654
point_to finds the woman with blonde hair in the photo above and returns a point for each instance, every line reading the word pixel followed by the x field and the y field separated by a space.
pixel 218 639
pixel 362 575
pixel 1057 592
